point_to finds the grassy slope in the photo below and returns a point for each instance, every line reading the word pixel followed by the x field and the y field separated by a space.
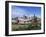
pixel 25 27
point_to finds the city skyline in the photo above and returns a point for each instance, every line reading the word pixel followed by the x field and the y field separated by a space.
pixel 19 11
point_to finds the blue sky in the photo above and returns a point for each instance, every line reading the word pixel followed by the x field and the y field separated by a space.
pixel 18 11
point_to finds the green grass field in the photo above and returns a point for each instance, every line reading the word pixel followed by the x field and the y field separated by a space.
pixel 21 27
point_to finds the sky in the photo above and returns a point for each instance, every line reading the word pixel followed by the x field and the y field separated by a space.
pixel 19 11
